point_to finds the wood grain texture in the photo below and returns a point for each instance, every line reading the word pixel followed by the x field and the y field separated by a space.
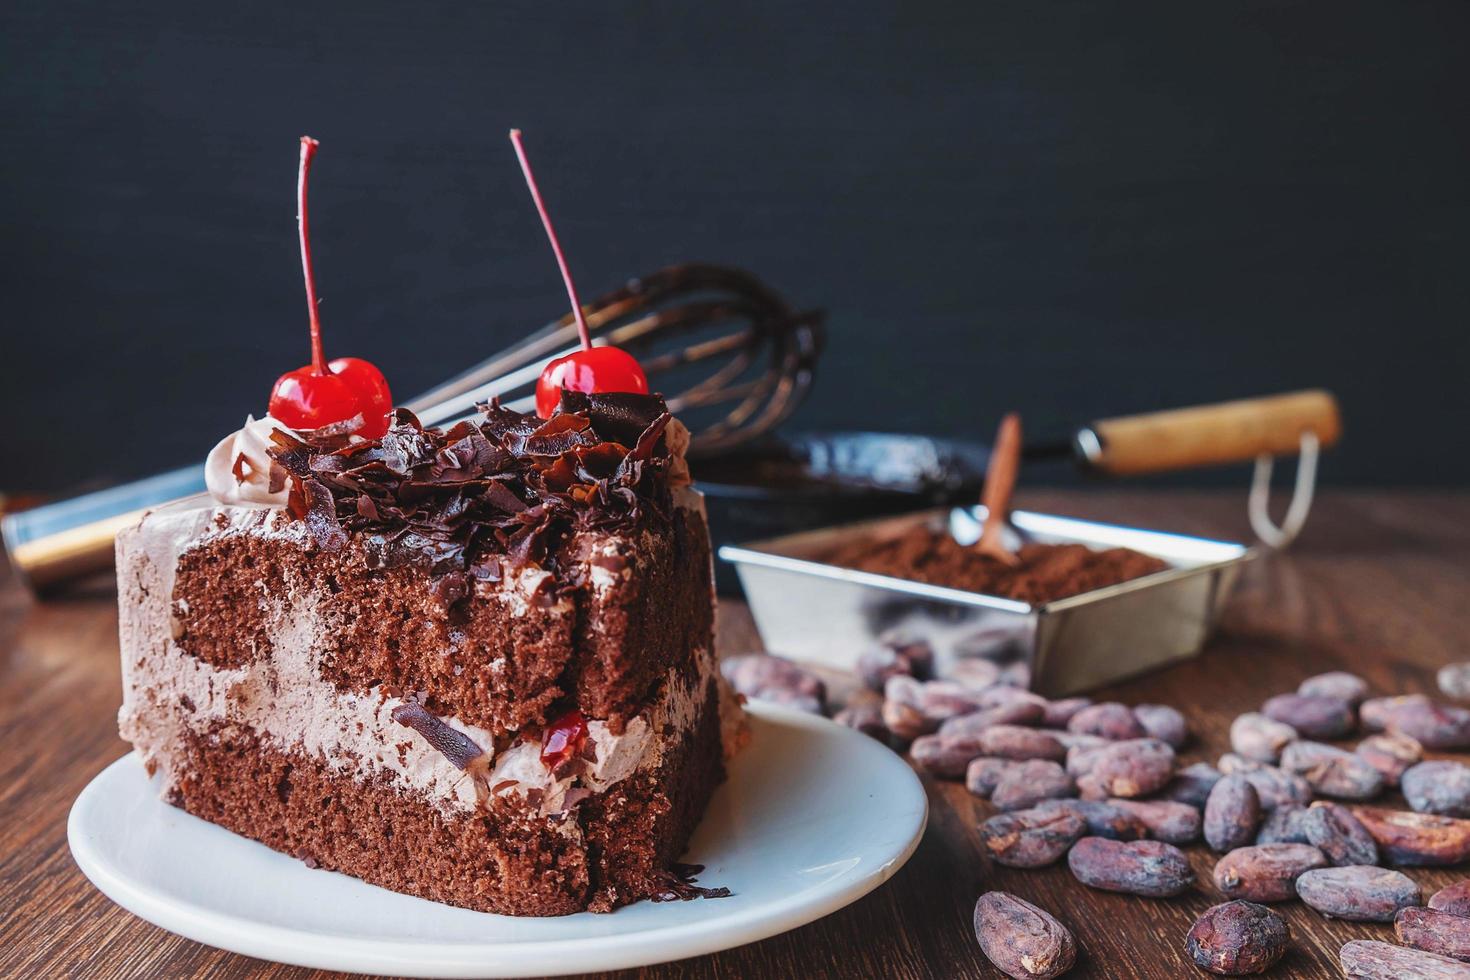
pixel 1377 585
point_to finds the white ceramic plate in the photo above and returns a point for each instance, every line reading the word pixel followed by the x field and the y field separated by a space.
pixel 813 817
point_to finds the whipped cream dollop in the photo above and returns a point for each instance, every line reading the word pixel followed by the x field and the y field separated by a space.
pixel 676 437
pixel 238 469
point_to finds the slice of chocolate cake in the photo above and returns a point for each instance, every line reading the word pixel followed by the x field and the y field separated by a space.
pixel 472 665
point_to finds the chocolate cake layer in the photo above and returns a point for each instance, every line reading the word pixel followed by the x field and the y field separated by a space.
pixel 1044 572
pixel 610 849
pixel 509 655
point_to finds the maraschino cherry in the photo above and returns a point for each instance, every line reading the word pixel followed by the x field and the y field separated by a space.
pixel 591 369
pixel 323 392
pixel 564 738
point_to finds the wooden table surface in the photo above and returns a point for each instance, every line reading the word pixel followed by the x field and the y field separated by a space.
pixel 1379 584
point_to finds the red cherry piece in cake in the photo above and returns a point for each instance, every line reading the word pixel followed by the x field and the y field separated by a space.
pixel 593 370
pixel 564 738
pixel 323 393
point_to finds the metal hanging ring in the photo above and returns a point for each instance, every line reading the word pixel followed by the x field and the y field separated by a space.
pixel 1271 535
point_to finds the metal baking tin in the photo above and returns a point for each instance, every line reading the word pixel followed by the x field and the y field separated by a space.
pixel 813 611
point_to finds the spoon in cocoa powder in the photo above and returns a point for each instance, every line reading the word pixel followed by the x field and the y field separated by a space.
pixel 1000 485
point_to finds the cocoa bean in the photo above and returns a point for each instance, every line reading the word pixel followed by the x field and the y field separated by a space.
pixel 1058 713
pixel 1359 893
pixel 1454 899
pixel 1031 838
pixel 1102 819
pixel 1135 767
pixel 1438 787
pixel 1090 789
pixel 1433 725
pixel 1145 867
pixel 771 678
pixel 1232 814
pixel 984 774
pixel 974 673
pixel 913 646
pixel 1434 931
pixel 1367 959
pixel 877 664
pixel 1390 754
pixel 1336 684
pixel 1003 694
pixel 1334 831
pixel 901 711
pixel 1021 940
pixel 1081 757
pixel 1274 786
pixel 1014 713
pixel 1109 720
pixel 945 756
pixel 1454 681
pixel 1283 825
pixel 1163 723
pixel 1266 872
pixel 1332 771
pixel 1071 740
pixel 1166 820
pixel 1192 784
pixel 1031 782
pixel 1015 742
pixel 1409 838
pixel 1376 713
pixel 1237 939
pixel 1313 716
pixel 866 717
pixel 1257 737
pixel 943 700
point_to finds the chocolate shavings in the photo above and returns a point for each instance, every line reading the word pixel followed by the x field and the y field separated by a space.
pixel 453 744
pixel 677 885
pixel 505 486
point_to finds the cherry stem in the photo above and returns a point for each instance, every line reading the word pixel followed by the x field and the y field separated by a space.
pixel 318 355
pixel 561 260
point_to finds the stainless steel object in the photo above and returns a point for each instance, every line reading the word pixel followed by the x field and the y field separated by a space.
pixel 813 611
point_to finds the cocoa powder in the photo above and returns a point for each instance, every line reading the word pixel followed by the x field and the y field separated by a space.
pixel 1044 572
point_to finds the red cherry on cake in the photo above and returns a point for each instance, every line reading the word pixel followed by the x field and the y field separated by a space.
pixel 591 369
pixel 323 393
pixel 564 738
pixel 304 399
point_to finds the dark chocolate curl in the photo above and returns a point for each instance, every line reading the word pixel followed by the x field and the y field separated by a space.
pixel 616 416
pixel 677 885
pixel 453 744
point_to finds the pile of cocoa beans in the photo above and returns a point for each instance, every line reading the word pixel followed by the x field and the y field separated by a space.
pixel 1100 784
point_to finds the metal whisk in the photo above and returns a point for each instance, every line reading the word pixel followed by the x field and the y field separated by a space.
pixel 719 336
pixel 731 357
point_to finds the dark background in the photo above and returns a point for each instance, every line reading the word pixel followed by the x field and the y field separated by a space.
pixel 1073 209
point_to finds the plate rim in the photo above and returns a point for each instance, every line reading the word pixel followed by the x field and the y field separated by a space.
pixel 545 957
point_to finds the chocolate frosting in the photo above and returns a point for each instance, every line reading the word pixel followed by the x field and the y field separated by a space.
pixel 503 487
